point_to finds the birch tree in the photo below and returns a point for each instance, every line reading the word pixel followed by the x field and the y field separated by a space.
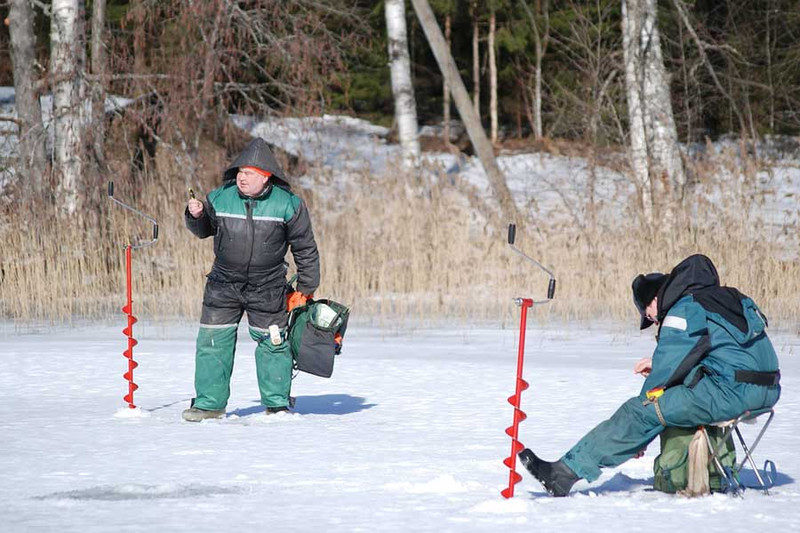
pixel 98 82
pixel 541 42
pixel 65 63
pixel 405 107
pixel 32 155
pixel 655 157
pixel 493 75
pixel 476 60
pixel 447 9
pixel 446 85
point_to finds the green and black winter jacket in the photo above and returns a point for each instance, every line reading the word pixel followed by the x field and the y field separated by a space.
pixel 252 235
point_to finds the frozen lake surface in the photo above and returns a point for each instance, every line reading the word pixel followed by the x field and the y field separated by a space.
pixel 408 435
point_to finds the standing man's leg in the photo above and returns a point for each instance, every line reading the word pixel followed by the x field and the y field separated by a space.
pixel 216 345
pixel 267 307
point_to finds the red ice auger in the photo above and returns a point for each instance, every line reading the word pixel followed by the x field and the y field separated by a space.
pixel 513 430
pixel 128 308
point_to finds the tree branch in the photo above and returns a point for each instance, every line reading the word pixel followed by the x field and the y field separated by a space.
pixel 15 120
pixel 701 47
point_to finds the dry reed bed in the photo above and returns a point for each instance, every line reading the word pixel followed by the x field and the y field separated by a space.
pixel 393 247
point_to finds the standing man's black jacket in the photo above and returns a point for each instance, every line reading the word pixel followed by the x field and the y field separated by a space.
pixel 252 235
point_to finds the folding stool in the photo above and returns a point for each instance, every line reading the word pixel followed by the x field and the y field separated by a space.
pixel 729 427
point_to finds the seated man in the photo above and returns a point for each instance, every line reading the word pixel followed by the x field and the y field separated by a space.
pixel 713 361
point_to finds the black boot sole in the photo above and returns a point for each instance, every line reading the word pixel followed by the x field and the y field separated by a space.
pixel 542 470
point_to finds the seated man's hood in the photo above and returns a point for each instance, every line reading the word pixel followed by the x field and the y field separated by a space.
pixel 697 275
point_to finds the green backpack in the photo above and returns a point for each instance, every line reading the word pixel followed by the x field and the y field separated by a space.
pixel 316 331
pixel 672 465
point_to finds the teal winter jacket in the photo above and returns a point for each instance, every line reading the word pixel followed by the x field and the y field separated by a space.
pixel 706 329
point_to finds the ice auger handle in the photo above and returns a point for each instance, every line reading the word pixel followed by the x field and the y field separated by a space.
pixel 551 287
pixel 153 221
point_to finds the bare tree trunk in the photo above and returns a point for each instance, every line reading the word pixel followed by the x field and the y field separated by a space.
pixel 210 65
pixel 541 42
pixel 446 90
pixel 493 77
pixel 687 101
pixel 631 28
pixel 405 107
pixel 476 60
pixel 770 80
pixel 139 40
pixel 655 157
pixel 701 48
pixel 527 97
pixel 538 89
pixel 65 59
pixel 32 150
pixel 665 155
pixel 98 83
pixel 471 120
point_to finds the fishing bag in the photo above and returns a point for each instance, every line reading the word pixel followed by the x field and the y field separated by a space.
pixel 316 331
pixel 672 465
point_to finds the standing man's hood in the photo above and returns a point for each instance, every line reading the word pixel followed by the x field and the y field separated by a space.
pixel 257 154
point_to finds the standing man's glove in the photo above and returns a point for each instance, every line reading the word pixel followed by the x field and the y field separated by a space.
pixel 296 299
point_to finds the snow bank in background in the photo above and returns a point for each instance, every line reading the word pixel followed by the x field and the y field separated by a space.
pixel 555 188
pixel 339 142
pixel 781 209
pixel 408 435
pixel 8 133
pixel 539 182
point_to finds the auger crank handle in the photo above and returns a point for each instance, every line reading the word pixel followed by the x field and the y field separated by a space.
pixel 551 287
pixel 152 220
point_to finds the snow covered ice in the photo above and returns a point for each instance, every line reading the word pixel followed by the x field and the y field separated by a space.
pixel 408 435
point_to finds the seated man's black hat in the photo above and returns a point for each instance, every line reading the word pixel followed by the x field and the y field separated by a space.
pixel 645 288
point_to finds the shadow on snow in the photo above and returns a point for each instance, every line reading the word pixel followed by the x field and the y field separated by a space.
pixel 324 404
pixel 621 483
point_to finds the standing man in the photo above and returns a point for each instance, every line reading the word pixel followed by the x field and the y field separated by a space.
pixel 713 361
pixel 254 218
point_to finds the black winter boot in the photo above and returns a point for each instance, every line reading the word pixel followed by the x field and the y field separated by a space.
pixel 557 478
